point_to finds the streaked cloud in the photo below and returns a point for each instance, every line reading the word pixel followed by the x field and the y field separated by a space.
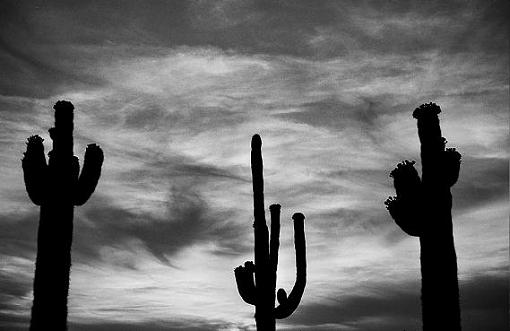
pixel 173 92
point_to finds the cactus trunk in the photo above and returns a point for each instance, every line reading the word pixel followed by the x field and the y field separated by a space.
pixel 261 290
pixel 56 188
pixel 265 273
pixel 422 208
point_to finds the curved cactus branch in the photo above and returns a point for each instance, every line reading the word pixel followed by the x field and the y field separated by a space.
pixel 245 282
pixel 35 169
pixel 90 174
pixel 405 215
pixel 406 204
pixel 289 304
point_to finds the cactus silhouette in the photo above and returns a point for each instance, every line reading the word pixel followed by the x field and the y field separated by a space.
pixel 422 208
pixel 260 291
pixel 57 187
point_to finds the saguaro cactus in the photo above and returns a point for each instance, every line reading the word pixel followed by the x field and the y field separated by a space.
pixel 422 208
pixel 260 291
pixel 57 187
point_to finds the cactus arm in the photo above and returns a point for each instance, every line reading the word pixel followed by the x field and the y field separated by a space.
pixel 245 284
pixel 404 208
pixel 451 159
pixel 90 174
pixel 274 244
pixel 35 169
pixel 405 215
pixel 289 304
pixel 406 179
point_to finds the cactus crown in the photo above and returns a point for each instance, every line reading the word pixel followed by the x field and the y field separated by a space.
pixel 426 109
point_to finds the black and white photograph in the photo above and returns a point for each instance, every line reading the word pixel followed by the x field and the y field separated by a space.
pixel 254 165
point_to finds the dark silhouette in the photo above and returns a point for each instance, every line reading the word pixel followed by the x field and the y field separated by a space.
pixel 57 187
pixel 422 208
pixel 261 293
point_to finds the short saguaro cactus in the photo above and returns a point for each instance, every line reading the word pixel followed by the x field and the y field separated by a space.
pixel 260 291
pixel 57 186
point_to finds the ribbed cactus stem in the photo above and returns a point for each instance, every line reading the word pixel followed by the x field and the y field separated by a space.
pixel 56 188
pixel 261 290
pixel 422 208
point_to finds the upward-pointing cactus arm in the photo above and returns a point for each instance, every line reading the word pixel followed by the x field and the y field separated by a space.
pixel 90 174
pixel 287 305
pixel 35 169
pixel 274 243
pixel 405 207
pixel 451 160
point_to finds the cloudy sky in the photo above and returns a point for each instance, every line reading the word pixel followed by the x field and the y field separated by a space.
pixel 173 92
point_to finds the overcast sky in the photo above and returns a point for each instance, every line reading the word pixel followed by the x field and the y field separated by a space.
pixel 173 92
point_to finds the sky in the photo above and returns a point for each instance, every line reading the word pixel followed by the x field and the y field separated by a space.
pixel 173 92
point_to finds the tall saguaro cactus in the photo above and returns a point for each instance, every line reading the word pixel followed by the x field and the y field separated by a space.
pixel 422 208
pixel 57 187
pixel 260 291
